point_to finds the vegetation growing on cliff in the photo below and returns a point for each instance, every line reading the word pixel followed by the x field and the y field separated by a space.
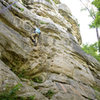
pixel 11 94
pixel 49 94
pixel 37 79
pixel 56 1
pixel 48 1
pixel 97 90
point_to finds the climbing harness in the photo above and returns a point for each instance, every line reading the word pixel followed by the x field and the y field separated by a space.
pixel 3 10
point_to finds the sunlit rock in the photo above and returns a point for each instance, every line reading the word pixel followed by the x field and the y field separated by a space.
pixel 57 68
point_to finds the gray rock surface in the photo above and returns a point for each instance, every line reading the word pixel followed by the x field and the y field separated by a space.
pixel 56 68
pixel 8 80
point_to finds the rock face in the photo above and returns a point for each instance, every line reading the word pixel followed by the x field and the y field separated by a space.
pixel 56 68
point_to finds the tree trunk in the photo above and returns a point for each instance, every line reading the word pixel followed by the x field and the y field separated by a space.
pixel 98 37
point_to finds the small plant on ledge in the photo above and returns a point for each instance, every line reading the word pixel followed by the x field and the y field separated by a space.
pixel 37 79
pixel 49 94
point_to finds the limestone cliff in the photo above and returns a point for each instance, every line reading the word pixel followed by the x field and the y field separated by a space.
pixel 56 64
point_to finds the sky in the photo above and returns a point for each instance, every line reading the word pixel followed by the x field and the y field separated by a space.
pixel 88 35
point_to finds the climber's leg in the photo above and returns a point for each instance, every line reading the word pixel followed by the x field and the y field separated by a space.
pixel 36 39
pixel 33 38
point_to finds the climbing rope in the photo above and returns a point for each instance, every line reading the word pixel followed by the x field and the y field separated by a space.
pixel 3 10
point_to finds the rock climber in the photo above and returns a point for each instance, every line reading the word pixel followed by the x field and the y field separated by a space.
pixel 35 35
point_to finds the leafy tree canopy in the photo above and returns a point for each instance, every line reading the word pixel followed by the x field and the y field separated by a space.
pixel 92 50
pixel 96 22
pixel 96 3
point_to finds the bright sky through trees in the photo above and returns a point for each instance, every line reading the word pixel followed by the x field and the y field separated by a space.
pixel 88 35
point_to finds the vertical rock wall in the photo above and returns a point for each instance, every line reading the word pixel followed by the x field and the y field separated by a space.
pixel 57 63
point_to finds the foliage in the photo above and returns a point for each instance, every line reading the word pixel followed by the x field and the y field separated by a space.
pixel 48 1
pixel 14 5
pixel 97 95
pixel 12 94
pixel 96 3
pixel 37 79
pixel 92 50
pixel 56 1
pixel 91 11
pixel 42 22
pixel 95 15
pixel 30 98
pixel 97 88
pixel 21 74
pixel 21 9
pixel 97 91
pixel 49 94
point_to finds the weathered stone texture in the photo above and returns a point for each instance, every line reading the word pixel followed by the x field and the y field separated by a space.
pixel 58 60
